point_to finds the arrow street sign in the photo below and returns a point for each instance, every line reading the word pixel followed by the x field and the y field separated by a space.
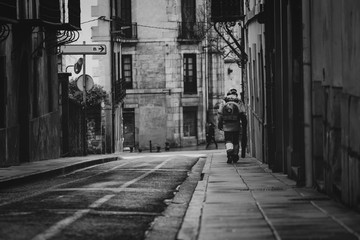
pixel 81 49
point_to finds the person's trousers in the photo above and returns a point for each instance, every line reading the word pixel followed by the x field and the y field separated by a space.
pixel 232 143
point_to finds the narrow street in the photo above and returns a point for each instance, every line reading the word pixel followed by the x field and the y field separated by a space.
pixel 115 200
pixel 192 194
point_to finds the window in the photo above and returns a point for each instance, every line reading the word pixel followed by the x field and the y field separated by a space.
pixel 127 70
pixel 3 91
pixel 122 12
pixel 190 73
pixel 190 121
pixel 188 9
pixel 126 11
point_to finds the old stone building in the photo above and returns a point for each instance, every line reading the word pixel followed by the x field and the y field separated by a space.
pixel 169 78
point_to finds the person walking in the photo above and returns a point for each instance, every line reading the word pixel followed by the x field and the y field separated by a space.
pixel 232 119
pixel 210 134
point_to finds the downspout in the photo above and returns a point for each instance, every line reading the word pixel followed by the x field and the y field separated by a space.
pixel 112 82
pixel 206 72
pixel 307 92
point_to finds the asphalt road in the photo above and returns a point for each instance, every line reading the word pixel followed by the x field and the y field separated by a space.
pixel 126 199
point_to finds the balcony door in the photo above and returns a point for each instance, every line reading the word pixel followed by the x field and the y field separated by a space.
pixel 129 127
pixel 188 15
pixel 123 12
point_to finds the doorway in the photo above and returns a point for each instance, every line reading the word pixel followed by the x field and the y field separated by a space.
pixel 129 127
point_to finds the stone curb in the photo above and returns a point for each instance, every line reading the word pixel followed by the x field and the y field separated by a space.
pixel 55 171
pixel 191 223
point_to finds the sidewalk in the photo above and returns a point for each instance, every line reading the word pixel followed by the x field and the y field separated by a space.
pixel 247 201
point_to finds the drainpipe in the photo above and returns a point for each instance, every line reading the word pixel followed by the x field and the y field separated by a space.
pixel 113 142
pixel 206 72
pixel 307 92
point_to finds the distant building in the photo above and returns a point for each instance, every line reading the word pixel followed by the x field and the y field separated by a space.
pixel 160 57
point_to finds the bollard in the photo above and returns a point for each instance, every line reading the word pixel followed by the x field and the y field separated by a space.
pixel 167 146
pixel 150 146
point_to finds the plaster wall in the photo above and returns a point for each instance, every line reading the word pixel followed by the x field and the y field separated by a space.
pixel 336 95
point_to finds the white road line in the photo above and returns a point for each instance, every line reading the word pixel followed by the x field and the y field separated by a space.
pixel 101 201
pixel 62 184
pixel 59 226
pixel 56 228
pixel 106 189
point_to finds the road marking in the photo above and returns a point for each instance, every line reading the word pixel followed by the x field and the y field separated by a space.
pixel 62 184
pixel 59 226
pixel 56 228
pixel 97 189
pixel 101 201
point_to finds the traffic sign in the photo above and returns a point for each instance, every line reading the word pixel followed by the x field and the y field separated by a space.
pixel 89 82
pixel 81 49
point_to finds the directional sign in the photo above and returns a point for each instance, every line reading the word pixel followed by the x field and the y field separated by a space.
pixel 81 49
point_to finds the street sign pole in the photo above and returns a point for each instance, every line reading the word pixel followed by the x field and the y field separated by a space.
pixel 84 49
pixel 84 109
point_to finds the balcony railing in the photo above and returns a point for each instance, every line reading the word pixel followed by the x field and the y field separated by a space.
pixel 124 30
pixel 191 31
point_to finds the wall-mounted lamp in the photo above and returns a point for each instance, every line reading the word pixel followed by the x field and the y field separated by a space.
pixel 229 70
pixel 104 19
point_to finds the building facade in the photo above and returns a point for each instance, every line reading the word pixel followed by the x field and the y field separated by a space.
pixel 165 66
pixel 254 31
pixel 30 114
pixel 304 91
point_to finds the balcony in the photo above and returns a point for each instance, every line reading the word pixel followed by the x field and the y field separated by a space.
pixel 8 10
pixel 123 32
pixel 191 31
